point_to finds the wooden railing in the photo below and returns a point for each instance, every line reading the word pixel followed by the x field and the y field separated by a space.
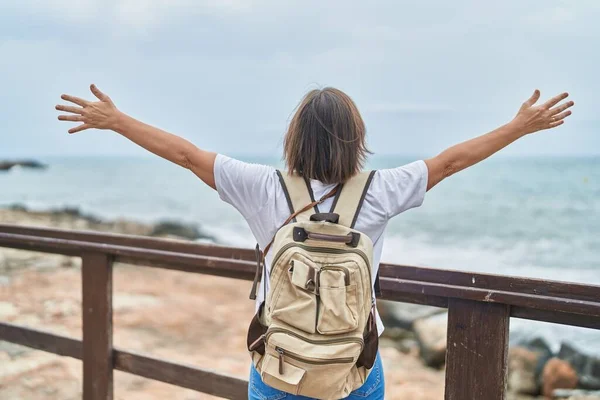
pixel 479 310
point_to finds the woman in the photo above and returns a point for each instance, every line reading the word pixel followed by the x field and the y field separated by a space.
pixel 326 144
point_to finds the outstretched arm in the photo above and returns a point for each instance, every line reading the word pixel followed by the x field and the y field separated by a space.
pixel 529 119
pixel 103 114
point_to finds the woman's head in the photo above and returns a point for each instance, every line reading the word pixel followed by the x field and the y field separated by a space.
pixel 326 139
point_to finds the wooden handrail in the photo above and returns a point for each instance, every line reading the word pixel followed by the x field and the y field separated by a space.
pixel 480 307
pixel 407 272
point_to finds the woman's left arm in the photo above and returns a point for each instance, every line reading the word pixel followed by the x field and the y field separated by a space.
pixel 529 119
pixel 103 114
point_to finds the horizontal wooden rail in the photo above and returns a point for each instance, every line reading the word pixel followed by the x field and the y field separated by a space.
pixel 480 307
pixel 187 262
pixel 423 274
pixel 186 376
pixel 580 302
pixel 178 246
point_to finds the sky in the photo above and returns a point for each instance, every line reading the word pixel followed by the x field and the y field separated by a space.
pixel 227 74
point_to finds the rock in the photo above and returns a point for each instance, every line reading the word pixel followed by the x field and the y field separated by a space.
pixel 525 364
pixel 187 231
pixel 74 213
pixel 409 346
pixel 13 350
pixel 576 394
pixel 558 374
pixel 431 335
pixel 521 371
pixel 587 366
pixel 402 315
pixel 397 334
pixel 8 165
pixel 17 207
pixel 4 280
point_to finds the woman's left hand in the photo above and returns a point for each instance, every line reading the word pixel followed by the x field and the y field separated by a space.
pixel 533 118
pixel 101 114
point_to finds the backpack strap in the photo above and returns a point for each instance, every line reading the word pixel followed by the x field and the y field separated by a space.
pixel 295 212
pixel 349 201
pixel 285 191
pixel 298 194
pixel 351 198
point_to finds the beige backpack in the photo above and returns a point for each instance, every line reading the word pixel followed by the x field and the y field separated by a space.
pixel 315 335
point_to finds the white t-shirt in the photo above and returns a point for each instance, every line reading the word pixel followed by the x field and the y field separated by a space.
pixel 255 191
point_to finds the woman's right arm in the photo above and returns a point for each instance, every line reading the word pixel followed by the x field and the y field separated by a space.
pixel 529 119
pixel 103 114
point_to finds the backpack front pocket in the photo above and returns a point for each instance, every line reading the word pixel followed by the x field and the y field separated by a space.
pixel 338 302
pixel 296 302
pixel 281 375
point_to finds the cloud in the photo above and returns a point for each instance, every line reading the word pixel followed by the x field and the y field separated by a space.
pixel 408 108
pixel 222 72
pixel 80 11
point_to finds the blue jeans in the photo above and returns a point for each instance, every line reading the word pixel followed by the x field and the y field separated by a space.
pixel 372 389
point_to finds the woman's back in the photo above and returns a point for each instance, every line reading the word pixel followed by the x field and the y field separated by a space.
pixel 256 192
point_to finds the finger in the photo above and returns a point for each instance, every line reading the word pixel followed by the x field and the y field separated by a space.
pixel 533 99
pixel 75 110
pixel 555 124
pixel 561 116
pixel 76 118
pixel 101 96
pixel 553 101
pixel 76 100
pixel 561 108
pixel 79 128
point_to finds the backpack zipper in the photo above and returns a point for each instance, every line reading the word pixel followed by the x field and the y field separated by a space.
pixel 324 341
pixel 284 353
pixel 345 270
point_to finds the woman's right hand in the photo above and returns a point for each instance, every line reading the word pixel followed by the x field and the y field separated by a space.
pixel 101 114
pixel 532 118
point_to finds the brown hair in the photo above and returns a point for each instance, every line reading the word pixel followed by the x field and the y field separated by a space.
pixel 326 139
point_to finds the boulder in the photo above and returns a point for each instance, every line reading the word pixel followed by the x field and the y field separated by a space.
pixel 178 229
pixel 558 374
pixel 521 371
pixel 431 335
pixel 17 207
pixel 74 213
pixel 525 364
pixel 587 366
pixel 8 165
pixel 403 315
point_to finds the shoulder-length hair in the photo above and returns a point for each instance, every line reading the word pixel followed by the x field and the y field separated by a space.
pixel 326 138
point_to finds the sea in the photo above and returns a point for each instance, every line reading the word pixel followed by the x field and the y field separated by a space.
pixel 526 216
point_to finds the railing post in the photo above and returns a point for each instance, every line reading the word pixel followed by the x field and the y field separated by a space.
pixel 477 355
pixel 96 274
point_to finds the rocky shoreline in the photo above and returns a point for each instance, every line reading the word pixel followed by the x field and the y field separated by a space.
pixel 164 313
pixel 74 218
pixel 533 368
pixel 8 165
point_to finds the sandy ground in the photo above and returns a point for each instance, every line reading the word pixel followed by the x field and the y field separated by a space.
pixel 177 316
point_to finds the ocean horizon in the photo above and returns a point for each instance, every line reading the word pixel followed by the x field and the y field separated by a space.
pixel 533 216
